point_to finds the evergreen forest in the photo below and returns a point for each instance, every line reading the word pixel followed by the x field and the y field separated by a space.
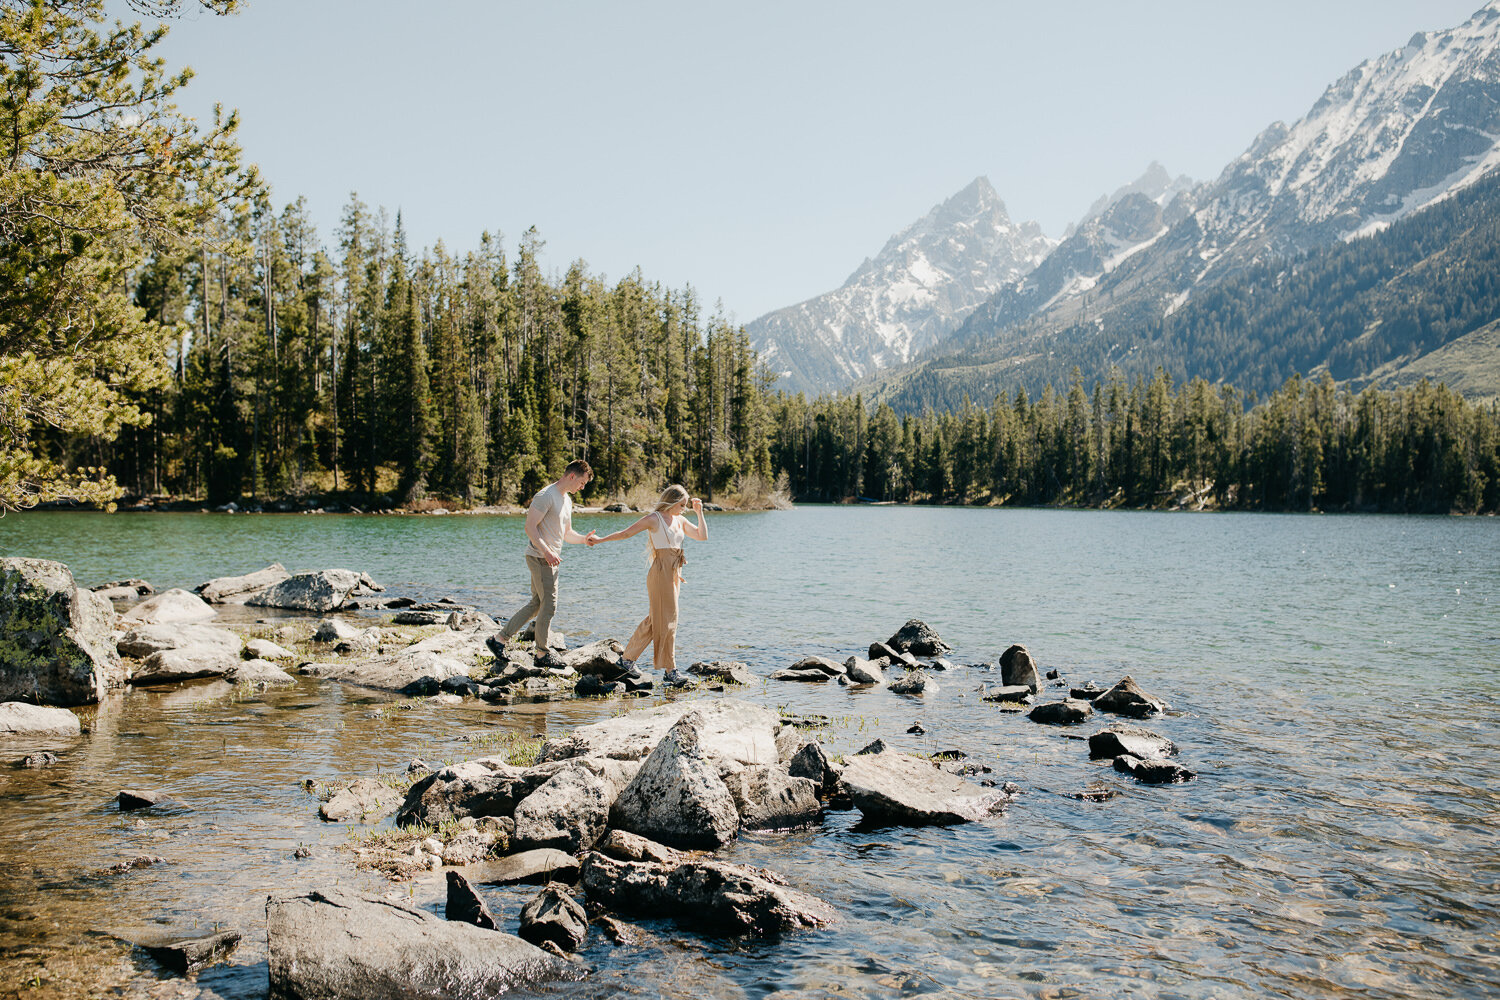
pixel 167 331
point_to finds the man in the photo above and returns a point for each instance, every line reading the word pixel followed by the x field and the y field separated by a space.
pixel 549 523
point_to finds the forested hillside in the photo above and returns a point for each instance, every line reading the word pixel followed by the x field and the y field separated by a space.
pixel 1349 309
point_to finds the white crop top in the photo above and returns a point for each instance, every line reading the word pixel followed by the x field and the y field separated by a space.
pixel 667 533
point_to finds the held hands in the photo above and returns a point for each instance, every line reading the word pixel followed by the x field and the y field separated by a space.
pixel 592 539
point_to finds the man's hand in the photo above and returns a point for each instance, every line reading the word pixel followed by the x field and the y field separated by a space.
pixel 591 539
pixel 553 559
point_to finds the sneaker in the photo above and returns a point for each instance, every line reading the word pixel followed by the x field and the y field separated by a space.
pixel 629 672
pixel 497 646
pixel 677 679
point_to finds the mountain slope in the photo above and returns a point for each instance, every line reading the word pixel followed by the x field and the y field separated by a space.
pixel 925 281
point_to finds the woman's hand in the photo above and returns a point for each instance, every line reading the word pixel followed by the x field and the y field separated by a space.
pixel 697 506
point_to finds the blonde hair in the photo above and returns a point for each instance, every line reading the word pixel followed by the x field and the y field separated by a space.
pixel 670 496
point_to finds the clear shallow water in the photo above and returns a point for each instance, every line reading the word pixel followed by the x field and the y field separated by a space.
pixel 1336 684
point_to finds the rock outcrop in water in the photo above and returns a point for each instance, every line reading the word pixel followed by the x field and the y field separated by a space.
pixel 55 646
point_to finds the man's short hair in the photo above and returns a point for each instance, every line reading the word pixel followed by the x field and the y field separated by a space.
pixel 578 467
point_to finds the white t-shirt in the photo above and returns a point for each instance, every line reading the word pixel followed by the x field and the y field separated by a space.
pixel 555 515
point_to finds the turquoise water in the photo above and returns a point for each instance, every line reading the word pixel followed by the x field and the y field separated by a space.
pixel 1334 680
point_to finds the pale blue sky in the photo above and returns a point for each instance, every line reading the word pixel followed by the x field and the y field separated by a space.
pixel 758 152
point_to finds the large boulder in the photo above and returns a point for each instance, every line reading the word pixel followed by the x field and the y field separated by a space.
pixel 173 606
pixel 335 945
pixel 1017 667
pixel 239 589
pixel 704 895
pixel 893 787
pixel 918 639
pixel 1127 698
pixel 55 645
pixel 1117 738
pixel 487 786
pixel 17 718
pixel 570 810
pixel 677 797
pixel 728 729
pixel 319 592
pixel 769 798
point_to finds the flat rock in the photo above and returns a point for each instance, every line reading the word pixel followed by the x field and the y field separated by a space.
pixel 335 630
pixel 23 719
pixel 730 730
pixel 1118 738
pixel 704 895
pixel 188 955
pixel 265 649
pixel 131 799
pixel 1019 694
pixel 56 646
pixel 406 671
pixel 172 666
pixel 238 589
pixel 1153 772
pixel 170 607
pixel 1127 698
pixel 893 787
pixel 335 945
pixel 143 640
pixel 728 671
pixel 1068 712
pixel 831 668
pixel 538 867
pixel 808 676
pixel 628 846
pixel 363 799
pixel 258 671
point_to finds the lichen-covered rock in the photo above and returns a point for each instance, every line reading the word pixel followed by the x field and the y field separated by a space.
pixel 55 644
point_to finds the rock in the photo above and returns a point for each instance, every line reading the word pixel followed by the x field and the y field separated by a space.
pixel 258 671
pixel 1088 692
pixel 469 847
pixel 131 799
pixel 589 686
pixel 1118 738
pixel 812 763
pixel 136 588
pixel 599 659
pixel 570 810
pixel 335 945
pixel 914 682
pixel 880 651
pixel 1017 667
pixel 363 799
pixel 191 954
pixel 1098 793
pixel 702 895
pixel 554 915
pixel 40 759
pixel 728 671
pixel 466 905
pixel 239 589
pixel 893 787
pixel 336 630
pixel 171 666
pixel 322 591
pixel 170 607
pixel 411 616
pixel 412 671
pixel 769 798
pixel 1127 698
pixel 876 745
pixel 265 649
pixel 1053 675
pixel 55 644
pixel 677 796
pixel 1153 772
pixel 730 730
pixel 917 638
pixel 484 787
pixel 632 847
pixel 143 640
pixel 537 867
pixel 1018 694
pixel 938 663
pixel 831 668
pixel 811 676
pixel 1068 712
pixel 18 718
pixel 863 671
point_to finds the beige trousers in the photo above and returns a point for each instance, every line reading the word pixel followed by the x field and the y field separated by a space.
pixel 543 603
pixel 659 629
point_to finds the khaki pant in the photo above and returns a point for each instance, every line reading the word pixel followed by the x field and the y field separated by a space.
pixel 659 629
pixel 543 603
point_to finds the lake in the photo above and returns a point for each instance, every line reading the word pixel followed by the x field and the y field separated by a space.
pixel 1334 681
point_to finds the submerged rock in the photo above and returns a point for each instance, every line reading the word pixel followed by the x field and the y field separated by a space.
pixel 335 945
pixel 55 644
pixel 705 895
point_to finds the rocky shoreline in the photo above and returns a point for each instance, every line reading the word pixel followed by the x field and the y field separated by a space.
pixel 616 820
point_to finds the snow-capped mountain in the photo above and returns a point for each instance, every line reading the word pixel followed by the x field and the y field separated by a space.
pixel 1396 134
pixel 922 285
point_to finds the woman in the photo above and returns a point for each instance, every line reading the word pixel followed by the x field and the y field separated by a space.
pixel 666 529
